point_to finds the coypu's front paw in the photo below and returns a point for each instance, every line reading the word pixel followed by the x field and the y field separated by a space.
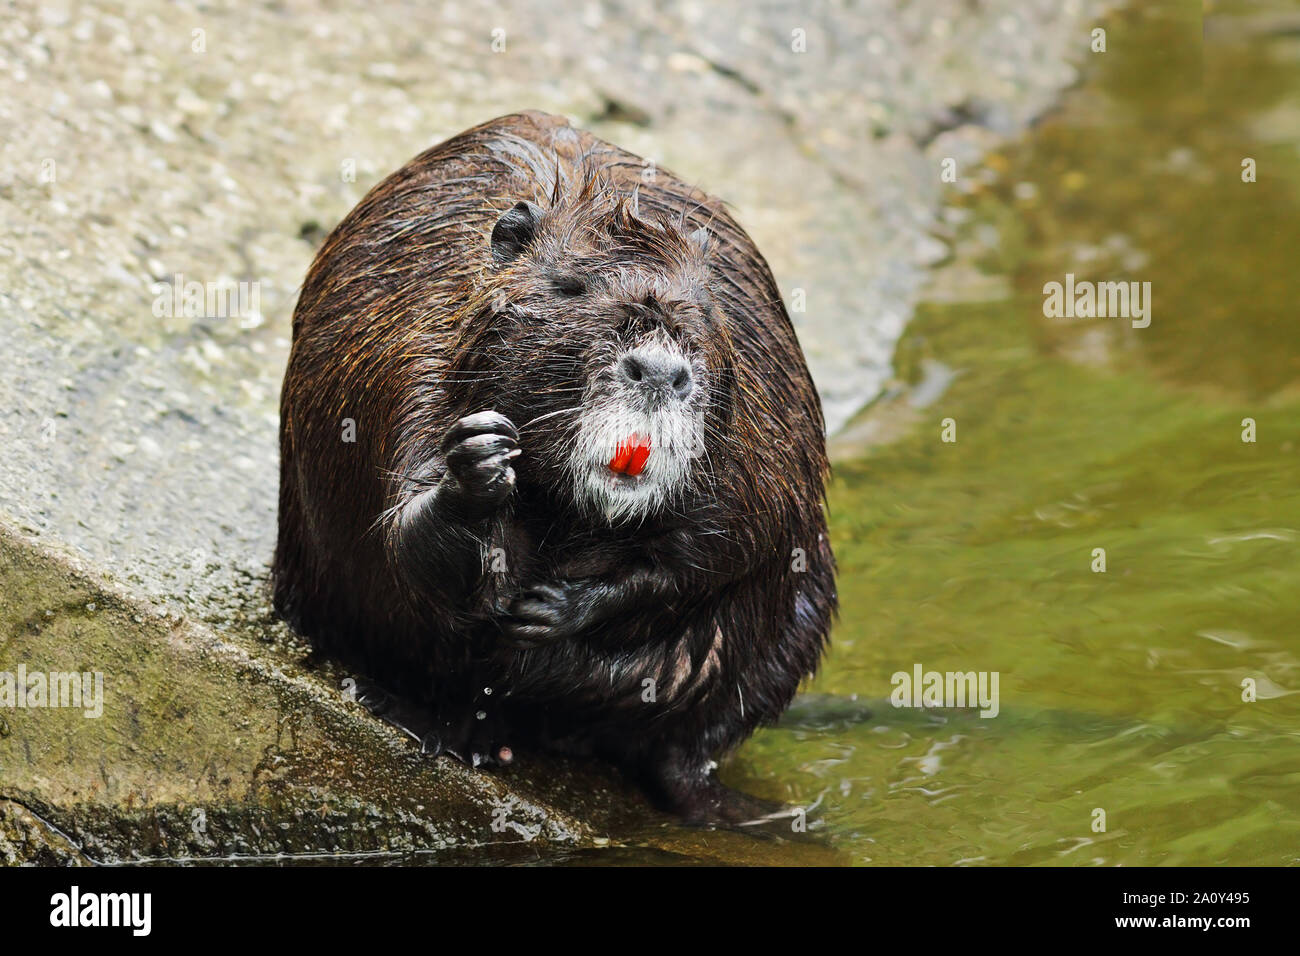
pixel 478 450
pixel 545 613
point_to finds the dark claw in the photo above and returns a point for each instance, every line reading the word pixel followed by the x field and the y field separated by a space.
pixel 478 448
pixel 546 592
pixel 374 699
pixel 528 636
pixel 537 612
pixel 480 423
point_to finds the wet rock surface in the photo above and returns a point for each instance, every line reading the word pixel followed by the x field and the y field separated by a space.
pixel 150 145
pixel 198 748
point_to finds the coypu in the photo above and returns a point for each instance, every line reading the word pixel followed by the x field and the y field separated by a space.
pixel 552 463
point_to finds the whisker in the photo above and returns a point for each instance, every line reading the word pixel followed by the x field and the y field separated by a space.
pixel 562 411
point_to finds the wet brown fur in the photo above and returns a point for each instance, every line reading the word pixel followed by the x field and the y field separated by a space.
pixel 400 328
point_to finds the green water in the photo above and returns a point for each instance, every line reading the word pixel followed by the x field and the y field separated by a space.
pixel 1120 691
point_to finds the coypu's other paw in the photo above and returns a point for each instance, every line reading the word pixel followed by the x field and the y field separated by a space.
pixel 545 613
pixel 692 790
pixel 478 450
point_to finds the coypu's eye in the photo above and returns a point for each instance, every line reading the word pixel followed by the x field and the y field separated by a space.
pixel 570 286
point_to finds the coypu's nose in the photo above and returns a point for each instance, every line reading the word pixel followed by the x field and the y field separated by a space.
pixel 657 370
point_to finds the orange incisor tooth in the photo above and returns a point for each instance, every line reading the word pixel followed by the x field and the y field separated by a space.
pixel 621 457
pixel 639 456
pixel 631 455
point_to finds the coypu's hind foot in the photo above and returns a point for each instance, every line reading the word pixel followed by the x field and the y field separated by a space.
pixel 471 739
pixel 692 791
pixel 714 804
pixel 475 736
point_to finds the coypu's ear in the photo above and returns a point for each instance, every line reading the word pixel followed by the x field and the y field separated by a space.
pixel 515 230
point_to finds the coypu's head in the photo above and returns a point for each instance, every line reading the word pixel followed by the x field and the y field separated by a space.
pixel 597 331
